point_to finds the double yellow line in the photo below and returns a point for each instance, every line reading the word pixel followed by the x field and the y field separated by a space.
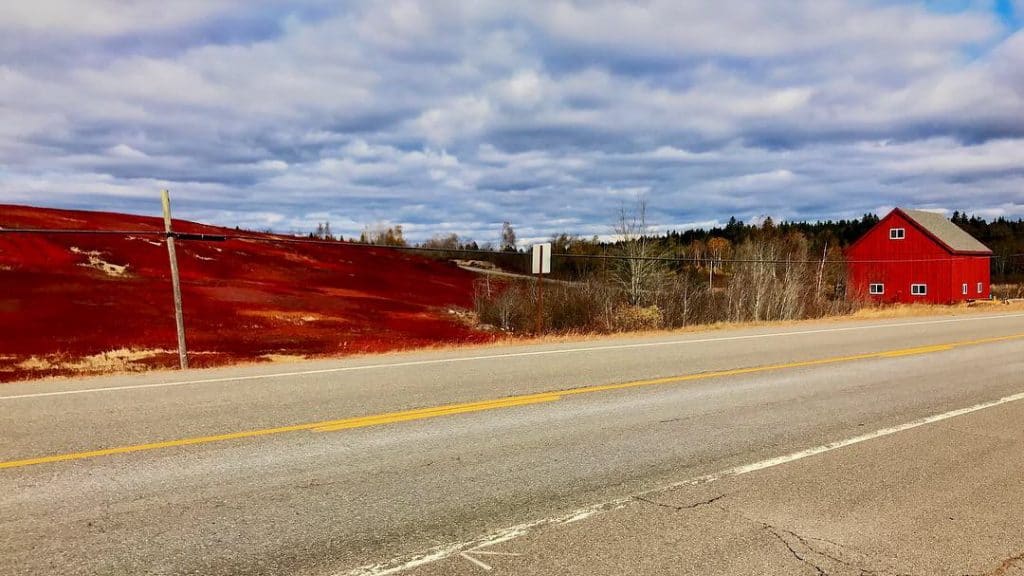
pixel 511 401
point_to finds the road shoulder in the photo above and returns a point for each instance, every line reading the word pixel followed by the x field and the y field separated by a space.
pixel 945 498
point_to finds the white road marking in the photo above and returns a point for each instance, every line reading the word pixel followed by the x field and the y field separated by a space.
pixel 503 356
pixel 470 555
pixel 474 561
pixel 480 550
pixel 403 563
pixel 580 516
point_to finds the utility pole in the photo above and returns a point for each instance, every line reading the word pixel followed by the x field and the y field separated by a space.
pixel 179 317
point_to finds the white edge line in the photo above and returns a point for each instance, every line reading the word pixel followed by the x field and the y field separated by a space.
pixel 403 563
pixel 505 355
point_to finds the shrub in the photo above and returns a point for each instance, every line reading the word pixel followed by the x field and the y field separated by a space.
pixel 774 278
pixel 576 307
pixel 630 318
pixel 502 305
pixel 1007 291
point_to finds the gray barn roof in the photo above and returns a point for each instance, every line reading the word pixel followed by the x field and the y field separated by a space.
pixel 945 231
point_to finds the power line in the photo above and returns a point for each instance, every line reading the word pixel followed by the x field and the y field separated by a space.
pixel 680 259
pixel 127 233
pixel 71 231
pixel 479 251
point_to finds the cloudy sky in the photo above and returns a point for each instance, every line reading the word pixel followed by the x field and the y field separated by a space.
pixel 454 116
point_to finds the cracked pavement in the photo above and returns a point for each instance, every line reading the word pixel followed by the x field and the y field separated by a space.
pixel 942 499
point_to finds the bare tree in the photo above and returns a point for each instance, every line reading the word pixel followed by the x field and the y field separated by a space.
pixel 775 281
pixel 323 231
pixel 638 272
pixel 443 242
pixel 718 249
pixel 383 235
pixel 508 237
pixel 696 250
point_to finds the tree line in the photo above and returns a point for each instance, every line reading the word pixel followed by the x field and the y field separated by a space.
pixel 702 247
pixel 642 279
pixel 648 281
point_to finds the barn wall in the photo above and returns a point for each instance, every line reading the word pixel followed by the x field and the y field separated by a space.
pixel 970 270
pixel 935 269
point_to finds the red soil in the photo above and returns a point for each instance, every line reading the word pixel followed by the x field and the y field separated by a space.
pixel 243 299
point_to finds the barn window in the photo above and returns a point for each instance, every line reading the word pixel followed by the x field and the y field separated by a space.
pixel 965 288
pixel 918 289
pixel 877 288
pixel 897 233
pixel 981 287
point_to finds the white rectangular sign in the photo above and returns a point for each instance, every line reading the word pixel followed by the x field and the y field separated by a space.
pixel 542 258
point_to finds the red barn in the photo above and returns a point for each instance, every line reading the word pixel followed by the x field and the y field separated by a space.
pixel 916 256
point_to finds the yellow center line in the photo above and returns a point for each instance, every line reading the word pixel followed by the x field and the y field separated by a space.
pixel 390 418
pixel 508 402
pixel 921 350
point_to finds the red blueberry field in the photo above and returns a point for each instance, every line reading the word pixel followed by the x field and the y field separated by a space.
pixel 72 304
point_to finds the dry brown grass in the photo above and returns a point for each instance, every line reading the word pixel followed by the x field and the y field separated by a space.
pixel 96 261
pixel 121 360
pixel 911 310
pixel 868 313
pixel 297 317
pixel 285 358
pixel 872 313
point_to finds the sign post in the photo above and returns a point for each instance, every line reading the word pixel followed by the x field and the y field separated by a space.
pixel 541 266
pixel 179 317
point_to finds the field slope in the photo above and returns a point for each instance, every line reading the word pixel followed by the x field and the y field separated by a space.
pixel 78 304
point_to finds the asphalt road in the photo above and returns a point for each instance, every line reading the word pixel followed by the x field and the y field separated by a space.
pixel 888 447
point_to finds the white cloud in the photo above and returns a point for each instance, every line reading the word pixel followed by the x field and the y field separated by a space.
pixel 525 89
pixel 757 29
pixel 106 17
pixel 125 151
pixel 944 157
pixel 463 119
pixel 456 116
